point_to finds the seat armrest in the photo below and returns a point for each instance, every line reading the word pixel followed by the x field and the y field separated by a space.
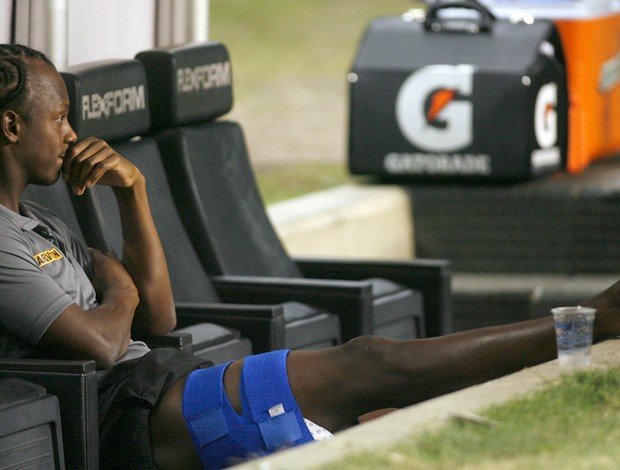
pixel 74 383
pixel 431 277
pixel 48 366
pixel 263 325
pixel 182 341
pixel 349 300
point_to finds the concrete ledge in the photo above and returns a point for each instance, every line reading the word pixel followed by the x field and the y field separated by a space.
pixel 347 221
pixel 389 429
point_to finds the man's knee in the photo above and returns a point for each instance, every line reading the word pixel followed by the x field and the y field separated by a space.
pixel 371 351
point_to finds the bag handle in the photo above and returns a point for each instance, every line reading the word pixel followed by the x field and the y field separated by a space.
pixel 433 22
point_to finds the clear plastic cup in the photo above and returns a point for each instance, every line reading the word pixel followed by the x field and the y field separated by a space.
pixel 573 332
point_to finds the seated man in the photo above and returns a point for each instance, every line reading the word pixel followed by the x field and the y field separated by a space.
pixel 162 408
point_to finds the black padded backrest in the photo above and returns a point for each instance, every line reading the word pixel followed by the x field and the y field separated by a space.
pixel 188 83
pixel 211 175
pixel 188 278
pixel 207 165
pixel 109 99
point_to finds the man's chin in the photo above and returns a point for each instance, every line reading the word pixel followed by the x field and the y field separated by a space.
pixel 50 182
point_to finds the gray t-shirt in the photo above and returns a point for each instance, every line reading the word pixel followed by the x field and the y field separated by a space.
pixel 44 268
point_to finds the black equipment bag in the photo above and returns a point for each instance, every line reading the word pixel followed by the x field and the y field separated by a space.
pixel 458 94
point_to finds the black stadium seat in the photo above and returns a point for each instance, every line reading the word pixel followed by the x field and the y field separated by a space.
pixel 215 190
pixel 290 324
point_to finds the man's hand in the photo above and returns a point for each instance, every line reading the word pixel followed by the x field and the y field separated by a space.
pixel 92 161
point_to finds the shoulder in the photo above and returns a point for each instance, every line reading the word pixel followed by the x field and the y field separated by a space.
pixel 48 217
pixel 40 212
pixel 10 230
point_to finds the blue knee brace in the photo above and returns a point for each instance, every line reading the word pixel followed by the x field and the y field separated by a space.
pixel 271 419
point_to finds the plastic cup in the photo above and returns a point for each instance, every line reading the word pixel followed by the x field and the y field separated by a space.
pixel 573 332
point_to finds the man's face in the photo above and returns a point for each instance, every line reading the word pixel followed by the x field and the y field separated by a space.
pixel 46 133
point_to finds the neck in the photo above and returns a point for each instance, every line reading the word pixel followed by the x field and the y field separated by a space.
pixel 11 204
pixel 12 185
pixel 10 194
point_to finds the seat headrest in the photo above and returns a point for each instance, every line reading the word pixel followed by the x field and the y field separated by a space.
pixel 188 83
pixel 109 99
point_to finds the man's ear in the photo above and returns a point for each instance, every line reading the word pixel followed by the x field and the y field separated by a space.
pixel 9 122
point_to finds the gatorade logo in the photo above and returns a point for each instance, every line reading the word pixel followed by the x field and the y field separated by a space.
pixel 546 116
pixel 433 107
pixel 610 74
pixel 546 127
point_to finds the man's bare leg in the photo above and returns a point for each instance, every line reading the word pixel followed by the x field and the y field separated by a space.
pixel 334 386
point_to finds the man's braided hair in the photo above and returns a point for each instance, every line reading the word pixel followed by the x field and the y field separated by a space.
pixel 14 67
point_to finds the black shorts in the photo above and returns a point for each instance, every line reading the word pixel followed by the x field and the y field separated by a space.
pixel 126 395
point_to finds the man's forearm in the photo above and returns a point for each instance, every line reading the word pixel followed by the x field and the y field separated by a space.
pixel 115 316
pixel 144 258
pixel 101 333
pixel 93 162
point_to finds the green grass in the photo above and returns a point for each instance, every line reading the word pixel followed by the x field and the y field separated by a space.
pixel 275 38
pixel 574 424
pixel 273 43
pixel 278 184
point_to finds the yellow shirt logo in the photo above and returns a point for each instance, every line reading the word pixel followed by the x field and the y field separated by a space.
pixel 47 257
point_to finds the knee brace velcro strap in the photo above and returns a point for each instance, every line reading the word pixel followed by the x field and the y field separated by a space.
pixel 271 419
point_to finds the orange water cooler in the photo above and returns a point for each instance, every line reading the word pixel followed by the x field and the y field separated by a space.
pixel 590 34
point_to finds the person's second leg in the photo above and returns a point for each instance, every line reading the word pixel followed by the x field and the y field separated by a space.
pixel 336 385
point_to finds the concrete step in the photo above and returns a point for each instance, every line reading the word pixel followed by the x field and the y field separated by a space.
pixel 353 221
